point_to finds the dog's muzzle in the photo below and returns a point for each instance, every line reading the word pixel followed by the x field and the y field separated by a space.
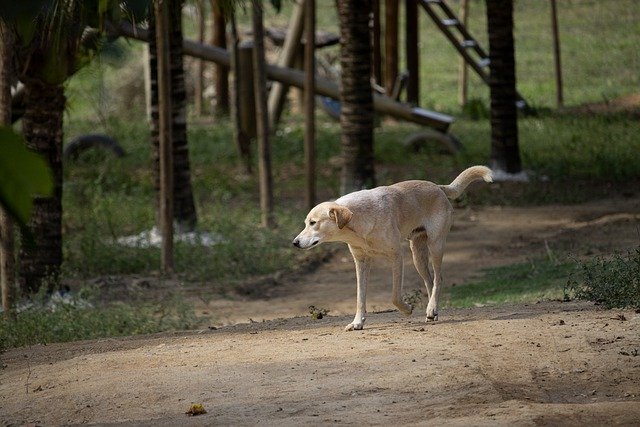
pixel 298 244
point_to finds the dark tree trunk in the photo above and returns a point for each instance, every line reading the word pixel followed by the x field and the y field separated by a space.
pixel 40 259
pixel 183 208
pixel 505 154
pixel 7 247
pixel 356 117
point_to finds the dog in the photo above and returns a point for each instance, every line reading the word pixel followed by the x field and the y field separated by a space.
pixel 373 223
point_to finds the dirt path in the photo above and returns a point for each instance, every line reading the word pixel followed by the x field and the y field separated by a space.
pixel 541 364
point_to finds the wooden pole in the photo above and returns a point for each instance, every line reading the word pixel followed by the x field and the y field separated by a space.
pixel 287 57
pixel 390 45
pixel 411 45
pixel 309 103
pixel 199 83
pixel 7 239
pixel 556 54
pixel 165 141
pixel 463 70
pixel 221 79
pixel 262 117
pixel 375 37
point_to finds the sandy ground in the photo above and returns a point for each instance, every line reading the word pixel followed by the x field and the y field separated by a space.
pixel 549 363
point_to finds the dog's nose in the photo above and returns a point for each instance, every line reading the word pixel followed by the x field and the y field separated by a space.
pixel 296 243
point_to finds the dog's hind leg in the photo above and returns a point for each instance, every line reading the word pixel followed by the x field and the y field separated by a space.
pixel 436 251
pixel 420 252
pixel 398 277
pixel 363 266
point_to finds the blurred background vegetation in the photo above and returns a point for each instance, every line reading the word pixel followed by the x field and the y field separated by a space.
pixel 573 154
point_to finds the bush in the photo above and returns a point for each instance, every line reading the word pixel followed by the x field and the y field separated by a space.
pixel 614 282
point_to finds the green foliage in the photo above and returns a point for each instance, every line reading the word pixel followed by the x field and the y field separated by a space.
pixel 613 282
pixel 23 174
pixel 82 317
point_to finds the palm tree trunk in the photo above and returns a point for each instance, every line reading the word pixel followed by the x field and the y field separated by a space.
pixel 41 258
pixel 505 154
pixel 183 208
pixel 7 249
pixel 356 117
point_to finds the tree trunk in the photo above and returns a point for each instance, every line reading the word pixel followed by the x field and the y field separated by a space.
pixel 505 154
pixel 184 211
pixel 356 117
pixel 7 248
pixel 262 117
pixel 219 39
pixel 41 258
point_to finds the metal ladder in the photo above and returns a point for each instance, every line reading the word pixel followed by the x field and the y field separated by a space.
pixel 463 41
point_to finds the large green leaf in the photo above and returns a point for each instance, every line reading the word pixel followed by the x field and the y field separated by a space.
pixel 23 174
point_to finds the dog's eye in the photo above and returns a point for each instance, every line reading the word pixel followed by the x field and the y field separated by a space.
pixel 312 223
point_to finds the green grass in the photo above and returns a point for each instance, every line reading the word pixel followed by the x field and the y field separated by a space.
pixel 528 282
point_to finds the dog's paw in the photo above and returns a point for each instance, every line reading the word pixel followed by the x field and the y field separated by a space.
pixel 354 327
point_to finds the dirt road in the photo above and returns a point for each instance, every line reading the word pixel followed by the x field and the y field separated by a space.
pixel 550 363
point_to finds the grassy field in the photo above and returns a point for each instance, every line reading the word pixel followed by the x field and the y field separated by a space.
pixel 106 197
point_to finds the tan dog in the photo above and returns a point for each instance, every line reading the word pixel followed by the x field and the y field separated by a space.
pixel 375 222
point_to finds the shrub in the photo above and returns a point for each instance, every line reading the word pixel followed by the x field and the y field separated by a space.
pixel 614 282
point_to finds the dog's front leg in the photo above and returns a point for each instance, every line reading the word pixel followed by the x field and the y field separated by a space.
pixel 398 277
pixel 363 266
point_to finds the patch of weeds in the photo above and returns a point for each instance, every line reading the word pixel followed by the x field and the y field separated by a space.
pixel 69 318
pixel 613 282
pixel 317 313
pixel 415 299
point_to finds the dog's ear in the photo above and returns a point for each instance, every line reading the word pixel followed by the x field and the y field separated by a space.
pixel 341 215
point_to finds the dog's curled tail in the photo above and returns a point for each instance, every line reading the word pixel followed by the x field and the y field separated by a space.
pixel 457 187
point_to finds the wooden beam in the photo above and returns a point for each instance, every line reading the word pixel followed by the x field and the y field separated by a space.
pixel 382 104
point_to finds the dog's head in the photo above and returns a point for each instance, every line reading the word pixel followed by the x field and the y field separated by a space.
pixel 323 224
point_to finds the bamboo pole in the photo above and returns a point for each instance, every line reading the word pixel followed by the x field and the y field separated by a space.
pixel 463 69
pixel 309 103
pixel 556 54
